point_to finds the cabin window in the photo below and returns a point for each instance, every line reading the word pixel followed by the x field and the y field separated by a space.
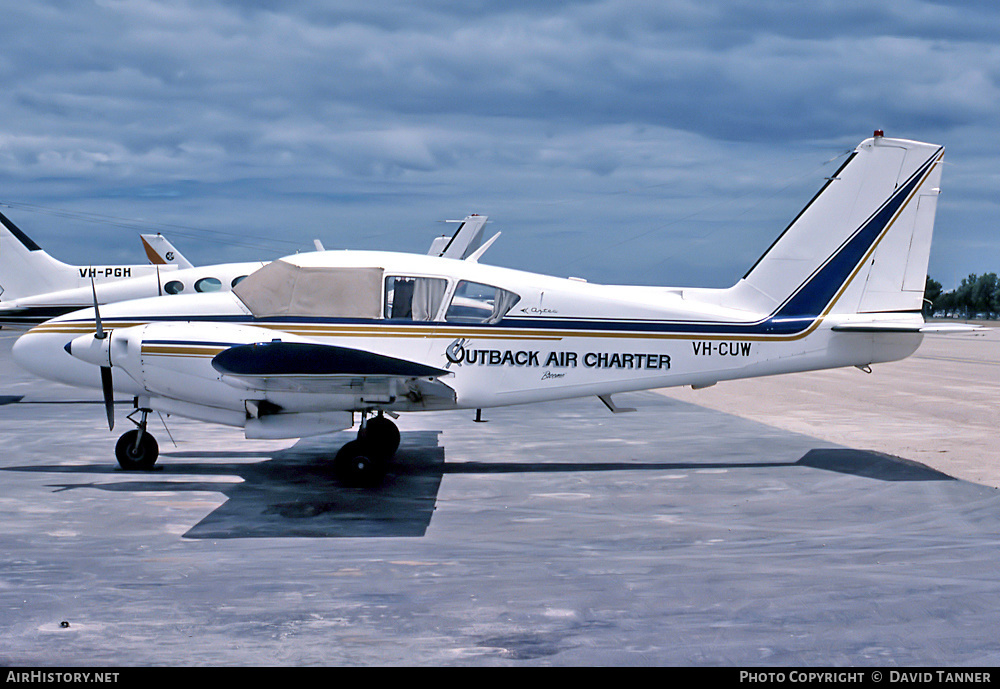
pixel 285 289
pixel 474 302
pixel 208 285
pixel 174 287
pixel 413 298
pixel 237 280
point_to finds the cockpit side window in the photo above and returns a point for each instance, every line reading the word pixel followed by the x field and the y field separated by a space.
pixel 475 302
pixel 413 298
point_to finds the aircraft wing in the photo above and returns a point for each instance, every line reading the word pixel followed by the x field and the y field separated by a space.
pixel 320 368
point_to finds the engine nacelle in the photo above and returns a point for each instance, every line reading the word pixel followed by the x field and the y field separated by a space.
pixel 174 360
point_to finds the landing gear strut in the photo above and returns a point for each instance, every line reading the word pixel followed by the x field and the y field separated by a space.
pixel 137 450
pixel 363 461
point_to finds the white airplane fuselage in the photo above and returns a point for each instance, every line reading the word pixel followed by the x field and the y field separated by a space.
pixel 121 283
pixel 563 338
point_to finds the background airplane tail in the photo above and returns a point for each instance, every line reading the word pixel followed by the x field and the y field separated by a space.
pixel 861 245
pixel 160 251
pixel 25 269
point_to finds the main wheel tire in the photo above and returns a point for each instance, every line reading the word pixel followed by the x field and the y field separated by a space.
pixel 133 458
pixel 357 465
pixel 381 435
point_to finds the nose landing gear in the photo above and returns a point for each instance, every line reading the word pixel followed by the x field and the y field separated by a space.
pixel 137 450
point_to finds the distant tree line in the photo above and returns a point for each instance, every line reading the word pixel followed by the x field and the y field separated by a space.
pixel 977 297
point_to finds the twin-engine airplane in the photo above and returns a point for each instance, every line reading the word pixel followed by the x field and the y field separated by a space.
pixel 308 341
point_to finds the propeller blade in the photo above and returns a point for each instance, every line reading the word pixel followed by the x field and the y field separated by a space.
pixel 109 396
pixel 99 334
pixel 107 387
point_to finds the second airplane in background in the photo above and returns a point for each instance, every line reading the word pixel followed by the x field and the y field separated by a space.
pixel 35 287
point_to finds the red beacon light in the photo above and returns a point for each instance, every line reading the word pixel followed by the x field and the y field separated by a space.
pixel 879 133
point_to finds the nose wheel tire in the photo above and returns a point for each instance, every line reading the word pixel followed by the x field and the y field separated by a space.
pixel 137 450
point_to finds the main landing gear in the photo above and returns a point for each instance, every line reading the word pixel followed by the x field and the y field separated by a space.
pixel 137 450
pixel 362 462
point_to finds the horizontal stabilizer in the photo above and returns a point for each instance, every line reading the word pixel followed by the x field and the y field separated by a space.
pixel 938 328
pixel 279 359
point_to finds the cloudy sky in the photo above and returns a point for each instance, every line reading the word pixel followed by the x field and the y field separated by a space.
pixel 651 142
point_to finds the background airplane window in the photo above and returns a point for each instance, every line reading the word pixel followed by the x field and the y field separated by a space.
pixel 174 287
pixel 237 280
pixel 208 285
pixel 413 299
pixel 474 302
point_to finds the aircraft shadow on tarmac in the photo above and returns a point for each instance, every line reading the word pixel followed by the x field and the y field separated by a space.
pixel 294 493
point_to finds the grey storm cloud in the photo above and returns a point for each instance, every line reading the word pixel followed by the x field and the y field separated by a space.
pixel 625 141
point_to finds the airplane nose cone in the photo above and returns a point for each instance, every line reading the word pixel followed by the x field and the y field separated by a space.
pixel 46 354
pixel 31 352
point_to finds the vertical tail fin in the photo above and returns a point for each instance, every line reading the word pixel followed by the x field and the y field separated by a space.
pixel 466 240
pixel 160 251
pixel 25 269
pixel 861 245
